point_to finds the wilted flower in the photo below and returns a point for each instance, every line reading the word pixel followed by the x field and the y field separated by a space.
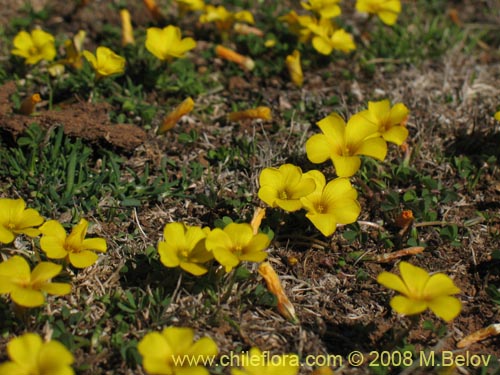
pixel 75 247
pixel 258 113
pixel 105 62
pixel 331 203
pixel 323 8
pixel 34 47
pixel 173 117
pixel 284 186
pixel 390 122
pixel 236 243
pixel 15 219
pixel 29 103
pixel 25 286
pixel 386 10
pixel 295 68
pixel 184 246
pixel 127 31
pixel 174 352
pixel 421 291
pixel 167 43
pixel 344 143
pixel 254 362
pixel 28 354
pixel 273 283
pixel 230 55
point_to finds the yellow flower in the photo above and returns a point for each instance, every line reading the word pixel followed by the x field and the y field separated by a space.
pixel 299 25
pixel 78 249
pixel 34 47
pixel 174 352
pixel 386 10
pixel 15 219
pixel 294 68
pixel 28 354
pixel 254 362
pixel 184 246
pixel 284 187
pixel 325 42
pixel 344 143
pixel 331 203
pixel 236 243
pixel 173 117
pixel 189 6
pixel 167 43
pixel 389 121
pixel 26 287
pixel 323 8
pixel 105 62
pixel 421 291
pixel 497 116
pixel 224 19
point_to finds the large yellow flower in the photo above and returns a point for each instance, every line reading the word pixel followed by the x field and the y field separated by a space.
pixel 386 10
pixel 421 291
pixel 184 246
pixel 26 287
pixel 344 143
pixel 284 186
pixel 78 249
pixel 34 47
pixel 174 352
pixel 30 355
pixel 331 204
pixel 167 43
pixel 389 121
pixel 236 243
pixel 16 219
pixel 105 62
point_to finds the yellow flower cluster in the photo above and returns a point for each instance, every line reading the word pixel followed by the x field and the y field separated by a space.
pixel 26 287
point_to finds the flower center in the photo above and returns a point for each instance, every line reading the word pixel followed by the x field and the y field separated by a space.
pixel 320 208
pixel 283 195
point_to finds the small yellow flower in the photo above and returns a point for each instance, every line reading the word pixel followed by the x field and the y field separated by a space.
pixel 184 246
pixel 25 286
pixel 323 8
pixel 173 117
pixel 75 247
pixel 386 10
pixel 331 203
pixel 254 362
pixel 325 42
pixel 16 219
pixel 389 121
pixel 174 352
pixel 167 43
pixel 421 291
pixel 189 6
pixel 34 47
pixel 344 143
pixel 28 354
pixel 224 19
pixel 497 116
pixel 105 62
pixel 295 68
pixel 284 187
pixel 236 243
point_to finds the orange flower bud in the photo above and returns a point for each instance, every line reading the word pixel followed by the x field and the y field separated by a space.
pixel 28 104
pixel 127 31
pixel 173 117
pixel 230 55
pixel 273 283
pixel 262 113
pixel 153 9
pixel 405 219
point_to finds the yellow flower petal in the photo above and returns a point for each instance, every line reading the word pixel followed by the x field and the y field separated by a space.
pixel 203 347
pixel 438 285
pixel 407 306
pixel 193 268
pixel 373 147
pixel 179 338
pixel 346 166
pixel 168 255
pixel 54 355
pixel 325 223
pixel 82 259
pixel 15 267
pixel 95 244
pixel 392 281
pixel 396 135
pixel 6 236
pixel 446 307
pixel 415 279
pixel 27 297
pixel 22 349
pixel 58 289
pixel 318 148
pixel 226 258
pixel 45 271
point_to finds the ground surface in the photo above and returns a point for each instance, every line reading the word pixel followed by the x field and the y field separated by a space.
pixel 450 83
